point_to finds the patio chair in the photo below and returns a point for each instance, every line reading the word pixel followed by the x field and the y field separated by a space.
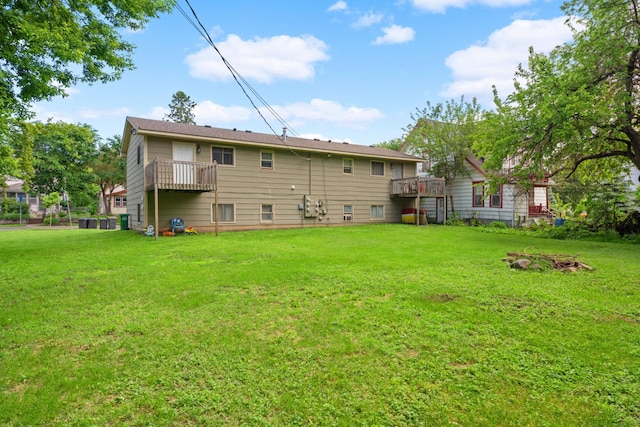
pixel 177 226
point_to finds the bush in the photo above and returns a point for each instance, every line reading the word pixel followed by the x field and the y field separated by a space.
pixel 13 217
pixel 10 206
pixel 497 224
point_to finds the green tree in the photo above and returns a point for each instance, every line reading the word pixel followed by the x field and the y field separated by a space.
pixel 395 144
pixel 64 157
pixel 181 107
pixel 50 201
pixel 47 46
pixel 576 109
pixel 110 168
pixel 442 134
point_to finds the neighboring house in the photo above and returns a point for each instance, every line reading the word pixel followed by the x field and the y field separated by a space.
pixel 511 204
pixel 15 191
pixel 262 180
pixel 117 201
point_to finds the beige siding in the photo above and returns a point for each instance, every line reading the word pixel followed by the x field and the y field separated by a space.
pixel 135 181
pixel 293 176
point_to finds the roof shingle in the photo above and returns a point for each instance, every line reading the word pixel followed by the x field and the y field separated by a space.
pixel 148 126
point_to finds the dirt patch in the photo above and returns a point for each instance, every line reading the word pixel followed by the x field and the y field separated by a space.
pixel 440 297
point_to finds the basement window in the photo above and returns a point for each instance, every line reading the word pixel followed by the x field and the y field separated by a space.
pixel 226 212
pixel 347 213
pixel 377 212
pixel 266 213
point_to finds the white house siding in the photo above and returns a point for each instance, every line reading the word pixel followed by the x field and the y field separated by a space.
pixel 512 201
pixel 247 186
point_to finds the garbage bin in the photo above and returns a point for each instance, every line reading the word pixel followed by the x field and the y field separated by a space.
pixel 92 222
pixel 103 223
pixel 83 222
pixel 124 221
pixel 111 223
pixel 558 222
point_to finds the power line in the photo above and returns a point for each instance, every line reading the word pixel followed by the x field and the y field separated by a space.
pixel 241 81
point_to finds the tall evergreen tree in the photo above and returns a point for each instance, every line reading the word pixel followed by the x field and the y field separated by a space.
pixel 181 107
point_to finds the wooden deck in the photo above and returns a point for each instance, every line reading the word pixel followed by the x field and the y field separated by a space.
pixel 417 187
pixel 180 176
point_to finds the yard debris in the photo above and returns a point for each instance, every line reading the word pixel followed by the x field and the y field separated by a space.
pixel 530 261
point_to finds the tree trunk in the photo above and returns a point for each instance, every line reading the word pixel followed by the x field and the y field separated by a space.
pixel 453 206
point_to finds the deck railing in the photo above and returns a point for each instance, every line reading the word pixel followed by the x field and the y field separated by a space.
pixel 417 186
pixel 539 210
pixel 180 175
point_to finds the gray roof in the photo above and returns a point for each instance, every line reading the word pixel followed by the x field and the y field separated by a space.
pixel 208 133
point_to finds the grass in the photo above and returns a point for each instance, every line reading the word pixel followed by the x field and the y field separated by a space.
pixel 382 325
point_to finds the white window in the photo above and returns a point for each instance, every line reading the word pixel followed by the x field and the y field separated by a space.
pixel 266 213
pixel 478 194
pixel 347 166
pixel 266 160
pixel 223 155
pixel 347 213
pixel 377 212
pixel 377 168
pixel 495 200
pixel 120 201
pixel 226 212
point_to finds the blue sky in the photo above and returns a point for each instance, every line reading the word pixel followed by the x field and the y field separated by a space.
pixel 341 70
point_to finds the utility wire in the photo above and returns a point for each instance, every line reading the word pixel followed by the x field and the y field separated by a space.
pixel 241 81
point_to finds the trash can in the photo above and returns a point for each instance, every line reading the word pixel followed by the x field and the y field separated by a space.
pixel 103 223
pixel 111 223
pixel 83 222
pixel 92 222
pixel 558 222
pixel 124 221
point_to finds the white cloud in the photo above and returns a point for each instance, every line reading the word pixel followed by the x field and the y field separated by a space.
pixel 158 113
pixel 338 6
pixel 440 6
pixel 261 59
pixel 207 112
pixel 368 20
pixel 330 112
pixel 395 34
pixel 494 62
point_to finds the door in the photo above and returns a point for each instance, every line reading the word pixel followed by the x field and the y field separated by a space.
pixel 183 167
pixel 440 201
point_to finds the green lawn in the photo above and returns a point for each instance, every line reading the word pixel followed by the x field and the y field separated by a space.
pixel 386 325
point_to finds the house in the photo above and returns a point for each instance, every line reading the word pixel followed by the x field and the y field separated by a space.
pixel 15 191
pixel 470 191
pixel 510 203
pixel 262 181
pixel 117 200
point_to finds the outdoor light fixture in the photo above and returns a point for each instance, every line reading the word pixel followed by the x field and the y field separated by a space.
pixel 198 149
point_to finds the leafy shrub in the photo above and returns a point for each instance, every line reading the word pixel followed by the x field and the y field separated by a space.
pixel 11 216
pixel 497 224
pixel 10 206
